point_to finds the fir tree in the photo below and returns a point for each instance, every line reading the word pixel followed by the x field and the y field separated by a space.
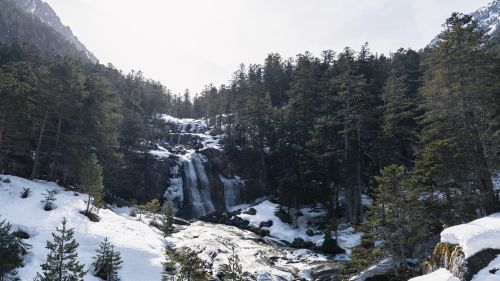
pixel 167 219
pixel 107 261
pixel 11 251
pixel 48 202
pixel 152 207
pixel 91 181
pixel 191 267
pixel 233 271
pixel 62 263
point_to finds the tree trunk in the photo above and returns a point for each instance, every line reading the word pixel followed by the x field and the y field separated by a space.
pixel 56 149
pixel 36 162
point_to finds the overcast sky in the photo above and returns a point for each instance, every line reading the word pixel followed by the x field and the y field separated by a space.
pixel 190 43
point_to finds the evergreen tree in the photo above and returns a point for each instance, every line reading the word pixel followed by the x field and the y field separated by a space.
pixel 91 181
pixel 12 250
pixel 48 202
pixel 459 102
pixel 107 261
pixel 167 219
pixel 233 271
pixel 152 207
pixel 62 263
pixel 191 267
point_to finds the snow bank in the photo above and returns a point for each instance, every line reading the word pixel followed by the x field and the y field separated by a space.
pixel 141 246
pixel 438 275
pixel 475 236
pixel 284 231
pixel 489 273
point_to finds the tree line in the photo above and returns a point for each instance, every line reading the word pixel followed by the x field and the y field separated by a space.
pixel 418 131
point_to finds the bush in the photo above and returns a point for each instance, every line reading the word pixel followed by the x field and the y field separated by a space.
pixel 26 192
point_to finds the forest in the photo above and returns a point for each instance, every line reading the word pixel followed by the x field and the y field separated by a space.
pixel 417 130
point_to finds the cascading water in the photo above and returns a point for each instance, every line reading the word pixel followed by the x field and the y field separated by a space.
pixel 231 191
pixel 191 189
pixel 197 186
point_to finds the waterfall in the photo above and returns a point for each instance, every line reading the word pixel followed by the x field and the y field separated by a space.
pixel 197 186
pixel 231 191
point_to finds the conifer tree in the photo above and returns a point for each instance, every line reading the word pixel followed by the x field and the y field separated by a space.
pixel 62 263
pixel 91 181
pixel 167 219
pixel 48 202
pixel 11 251
pixel 233 271
pixel 191 267
pixel 152 207
pixel 107 261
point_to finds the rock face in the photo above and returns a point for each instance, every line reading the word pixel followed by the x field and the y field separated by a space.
pixel 452 258
pixel 190 168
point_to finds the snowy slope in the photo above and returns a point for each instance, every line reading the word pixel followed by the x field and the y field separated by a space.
pixel 140 245
pixel 438 275
pixel 265 211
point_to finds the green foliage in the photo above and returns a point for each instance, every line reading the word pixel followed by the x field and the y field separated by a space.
pixel 232 270
pixel 12 250
pixel 167 219
pixel 91 181
pixel 107 261
pixel 62 263
pixel 191 268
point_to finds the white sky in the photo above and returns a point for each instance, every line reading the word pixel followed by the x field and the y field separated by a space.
pixel 190 43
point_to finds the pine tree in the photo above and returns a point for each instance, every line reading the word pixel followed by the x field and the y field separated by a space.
pixel 191 267
pixel 167 219
pixel 48 202
pixel 396 218
pixel 62 263
pixel 107 261
pixel 233 271
pixel 460 103
pixel 152 207
pixel 91 181
pixel 12 250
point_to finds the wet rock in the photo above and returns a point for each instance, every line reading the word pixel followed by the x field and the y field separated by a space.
pixel 251 211
pixel 300 243
pixel 268 223
pixel 283 215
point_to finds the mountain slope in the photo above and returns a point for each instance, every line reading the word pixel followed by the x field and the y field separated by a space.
pixel 18 25
pixel 48 16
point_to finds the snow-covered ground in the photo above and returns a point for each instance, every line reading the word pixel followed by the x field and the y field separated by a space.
pixel 347 237
pixel 473 237
pixel 438 275
pixel 142 246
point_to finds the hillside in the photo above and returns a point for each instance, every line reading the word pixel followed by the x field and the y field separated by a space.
pixel 36 24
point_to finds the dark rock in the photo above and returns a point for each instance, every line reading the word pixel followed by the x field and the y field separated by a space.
pixel 302 244
pixel 268 223
pixel 250 211
pixel 283 215
pixel 310 232
pixel 451 257
pixel 330 246
pixel 21 234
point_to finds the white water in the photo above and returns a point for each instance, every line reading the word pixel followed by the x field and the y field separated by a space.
pixel 197 186
pixel 231 191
